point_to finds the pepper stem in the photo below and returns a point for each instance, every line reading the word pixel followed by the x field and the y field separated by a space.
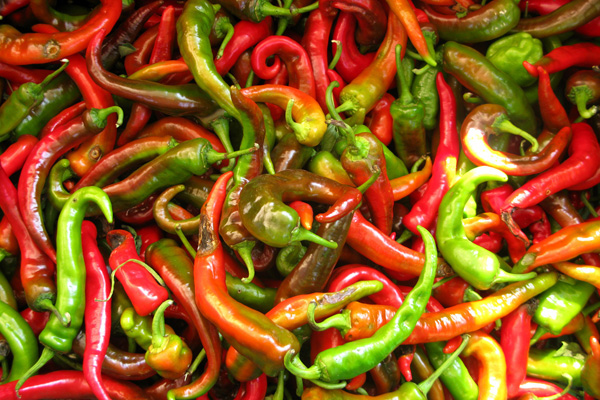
pixel 214 156
pixel 426 385
pixel 40 88
pixel 587 204
pixel 289 119
pixel 158 324
pixel 250 79
pixel 296 366
pixel 471 295
pixel 283 23
pixel 46 304
pixel 406 96
pixel 278 395
pixel 539 332
pixel 244 249
pixel 406 234
pixel 472 98
pixel 580 96
pixel 569 379
pixel 301 233
pixel 46 356
pixel 341 321
pixel 504 276
pixel 184 240
pixel 308 8
pixel 228 28
pixel 367 184
pixel 503 124
pixel 267 8
pixel 527 260
pixel 337 54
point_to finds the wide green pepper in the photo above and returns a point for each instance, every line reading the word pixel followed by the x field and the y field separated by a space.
pixel 456 376
pixel 548 365
pixel 478 266
pixel 508 53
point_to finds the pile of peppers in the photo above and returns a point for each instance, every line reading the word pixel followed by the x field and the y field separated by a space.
pixel 340 199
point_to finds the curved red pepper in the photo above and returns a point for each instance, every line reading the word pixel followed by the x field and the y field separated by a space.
pixel 351 61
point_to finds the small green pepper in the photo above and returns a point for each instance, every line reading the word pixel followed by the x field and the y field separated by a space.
pixel 139 328
pixel 508 53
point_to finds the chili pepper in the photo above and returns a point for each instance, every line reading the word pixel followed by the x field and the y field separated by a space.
pixel 564 19
pixel 386 375
pixel 70 274
pixel 36 320
pixel 234 233
pixel 314 269
pixel 325 164
pixel 423 370
pixel 209 275
pixel 360 95
pixel 45 13
pixel 14 156
pixel 118 363
pixel 311 128
pixel 45 153
pixel 408 114
pixel 64 116
pixel 553 113
pixel 487 23
pixel 39 48
pixel 21 339
pixel 171 262
pixel 514 339
pixel 350 359
pixel 580 54
pixel 541 388
pixel 583 88
pixel 543 8
pixel 126 32
pixel 192 157
pixel 97 314
pixel 381 120
pixel 590 371
pixel 193 29
pixel 266 192
pixel 584 273
pixel 8 7
pixel 351 61
pixel 168 354
pixel 139 328
pixel 59 384
pixel 580 166
pixel 246 34
pixel 423 211
pixel 451 292
pixel 256 297
pixel 22 101
pixel 489 119
pixel 490 222
pixel 465 317
pixel 293 56
pixel 9 244
pixel 484 268
pixel 145 293
pixel 293 313
pixel 559 305
pixel 170 99
pixel 456 376
pixel 289 153
pixel 509 52
pixel 479 75
pixel 549 365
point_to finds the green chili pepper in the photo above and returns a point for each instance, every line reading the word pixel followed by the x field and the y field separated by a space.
pixel 550 365
pixel 480 76
pixel 559 305
pixel 23 343
pixel 56 193
pixel 353 358
pixel 508 53
pixel 139 328
pixel 22 101
pixel 476 265
pixel 456 377
pixel 70 275
pixel 256 297
pixel 6 291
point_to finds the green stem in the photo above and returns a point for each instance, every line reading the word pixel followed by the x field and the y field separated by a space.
pixel 337 55
pixel 234 80
pixel 212 158
pixel 308 8
pixel 244 249
pixel 587 204
pixel 539 332
pixel 442 281
pixel 250 79
pixel 471 295
pixel 581 95
pixel 197 361
pixel 158 324
pixel 289 119
pixel 267 8
pixel 504 125
pixel 46 304
pixel 504 276
pixel 46 356
pixel 184 240
pixel 228 35
pixel 301 233
pixel 50 77
pixel 472 98
pixel 363 188
pixel 221 128
pixel 340 322
pixel 426 385
pixel 406 96
pixel 133 260
pixel 99 115
pixel 283 23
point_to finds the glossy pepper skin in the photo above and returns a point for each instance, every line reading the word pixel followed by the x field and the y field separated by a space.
pixel 267 347
pixel 353 358
pixel 456 376
pixel 509 52
pixel 479 75
pixel 473 263
pixel 265 195
pixel 546 364
pixel 21 339
pixel 168 354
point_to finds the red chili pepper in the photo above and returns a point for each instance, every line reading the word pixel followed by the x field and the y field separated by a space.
pixel 451 292
pixel 585 54
pixel 381 121
pixel 97 313
pixel 40 48
pixel 256 389
pixel 581 165
pixel 316 42
pixel 141 287
pixel 13 158
pixel 424 211
pixel 246 34
pixel 351 61
pixel 62 118
pixel 10 6
pixel 92 150
pixel 514 339
pixel 8 240
pixel 19 75
pixel 148 234
pixel 294 57
pixel 553 113
pixel 305 212
pixel 36 320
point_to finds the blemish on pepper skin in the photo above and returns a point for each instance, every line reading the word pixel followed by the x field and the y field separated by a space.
pixel 51 49
pixel 95 153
